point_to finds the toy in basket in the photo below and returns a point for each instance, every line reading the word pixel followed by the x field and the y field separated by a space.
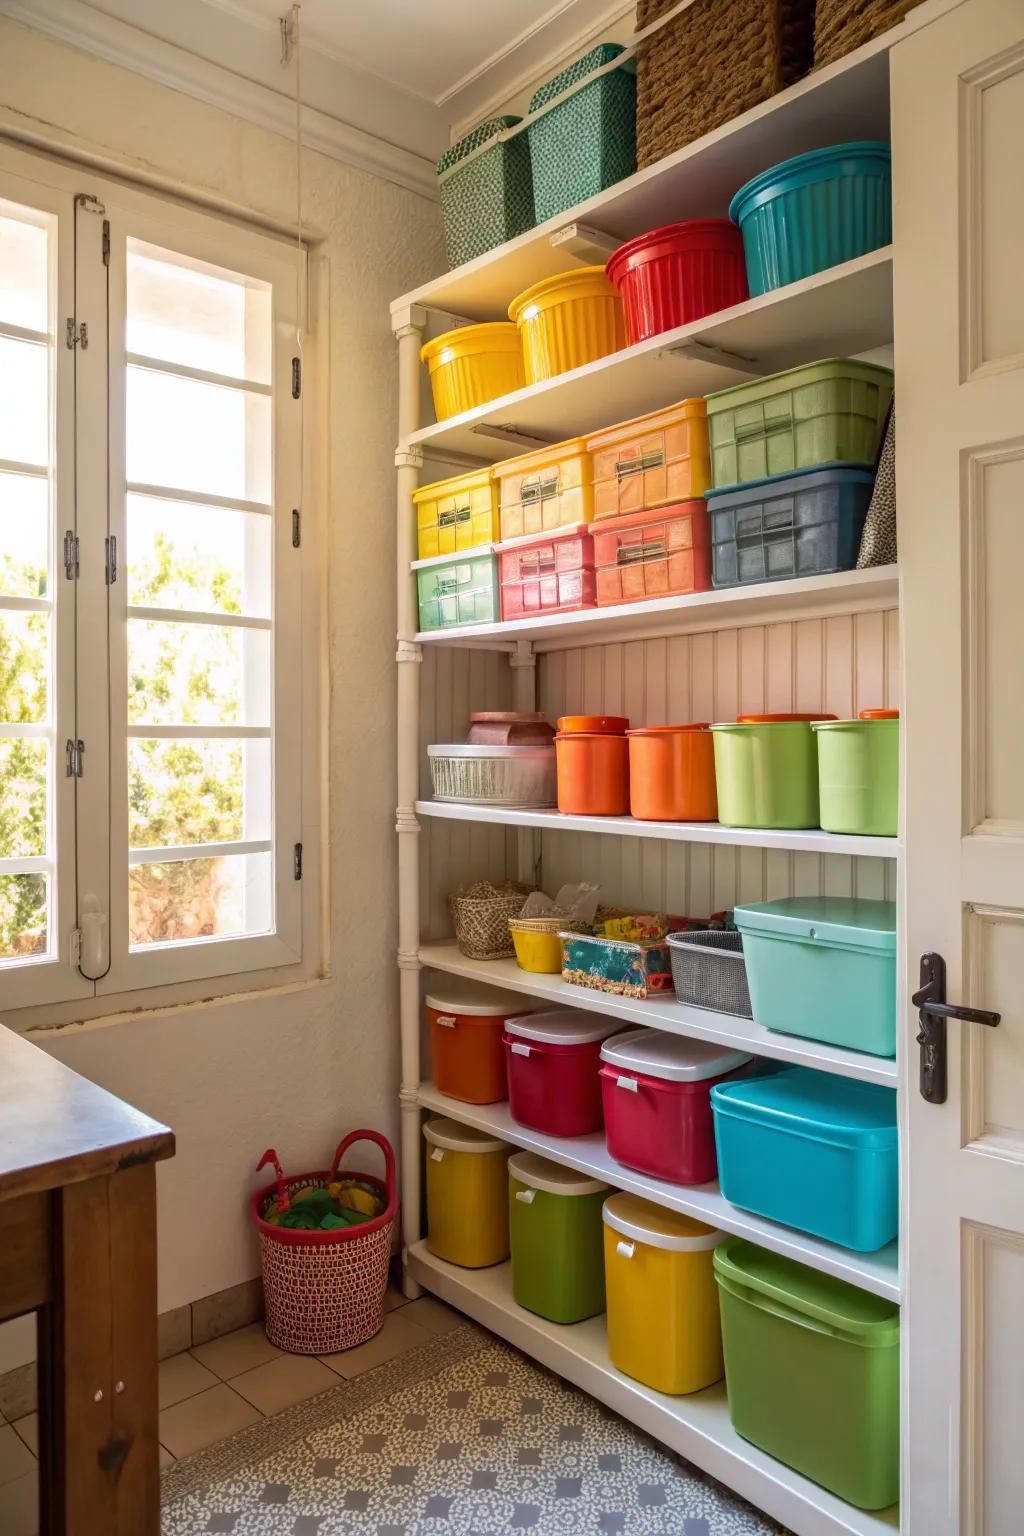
pixel 325 1246
pixel 626 956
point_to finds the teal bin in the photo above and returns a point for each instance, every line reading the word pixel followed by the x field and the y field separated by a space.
pixel 823 967
pixel 859 773
pixel 587 141
pixel 556 1233
pixel 460 590
pixel 485 188
pixel 812 1151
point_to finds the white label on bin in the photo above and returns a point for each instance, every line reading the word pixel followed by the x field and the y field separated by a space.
pixel 447 1020
pixel 519 1049
pixel 628 1082
pixel 527 1196
pixel 438 1154
pixel 626 1250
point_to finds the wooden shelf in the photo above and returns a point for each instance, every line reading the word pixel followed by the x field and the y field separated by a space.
pixel 877 1272
pixel 697 1427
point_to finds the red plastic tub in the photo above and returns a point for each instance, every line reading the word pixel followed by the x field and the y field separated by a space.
pixel 653 554
pixel 547 573
pixel 553 1060
pixel 678 273
pixel 656 1090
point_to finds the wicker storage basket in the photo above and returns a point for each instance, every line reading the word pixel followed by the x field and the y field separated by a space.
pixel 709 971
pixel 480 915
pixel 715 60
pixel 486 189
pixel 840 26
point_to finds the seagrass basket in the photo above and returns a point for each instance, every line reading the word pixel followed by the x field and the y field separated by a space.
pixel 480 915
pixel 840 26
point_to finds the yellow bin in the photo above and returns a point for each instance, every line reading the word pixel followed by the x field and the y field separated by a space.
pixel 472 365
pixel 455 515
pixel 467 1194
pixel 660 1265
pixel 551 487
pixel 568 320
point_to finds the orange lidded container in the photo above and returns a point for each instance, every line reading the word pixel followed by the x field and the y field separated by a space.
pixel 672 773
pixel 549 488
pixel 467 1021
pixel 652 554
pixel 593 770
pixel 651 461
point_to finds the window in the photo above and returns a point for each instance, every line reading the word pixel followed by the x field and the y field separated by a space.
pixel 150 592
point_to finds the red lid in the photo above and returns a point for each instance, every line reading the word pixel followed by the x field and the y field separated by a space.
pixel 667 239
pixel 593 725
pixel 879 714
pixel 780 719
pixel 665 730
pixel 626 520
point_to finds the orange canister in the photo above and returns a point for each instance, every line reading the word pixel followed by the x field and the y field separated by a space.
pixel 467 1021
pixel 672 773
pixel 593 767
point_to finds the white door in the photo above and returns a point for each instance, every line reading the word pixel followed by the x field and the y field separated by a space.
pixel 958 154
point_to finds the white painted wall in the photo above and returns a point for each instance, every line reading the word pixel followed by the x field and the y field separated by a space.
pixel 296 1067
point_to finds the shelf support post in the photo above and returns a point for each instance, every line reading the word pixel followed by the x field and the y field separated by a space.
pixel 528 843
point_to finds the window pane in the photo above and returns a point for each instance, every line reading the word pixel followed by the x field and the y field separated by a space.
pixel 24 904
pixel 206 320
pixel 203 558
pixel 197 792
pixel 24 535
pixel 24 660
pixel 200 899
pixel 24 401
pixel 198 437
pixel 23 275
pixel 197 674
pixel 23 780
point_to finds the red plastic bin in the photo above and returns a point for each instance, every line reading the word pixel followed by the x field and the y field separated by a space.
pixel 547 573
pixel 678 273
pixel 656 1092
pixel 553 1059
pixel 653 554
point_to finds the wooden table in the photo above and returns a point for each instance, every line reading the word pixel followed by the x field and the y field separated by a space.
pixel 78 1248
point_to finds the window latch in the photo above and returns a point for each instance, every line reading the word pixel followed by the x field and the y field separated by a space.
pixel 74 755
pixel 111 560
pixel 297 861
pixel 77 335
pixel 71 567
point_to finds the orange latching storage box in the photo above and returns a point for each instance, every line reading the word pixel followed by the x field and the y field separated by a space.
pixel 651 461
pixel 659 554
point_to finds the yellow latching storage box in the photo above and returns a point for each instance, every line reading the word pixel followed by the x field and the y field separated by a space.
pixel 454 515
pixel 549 488
pixel 467 1194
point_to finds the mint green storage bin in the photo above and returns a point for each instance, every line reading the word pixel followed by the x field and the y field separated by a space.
pixel 823 413
pixel 588 141
pixel 766 772
pixel 486 189
pixel 824 968
pixel 859 774
pixel 463 590
pixel 556 1234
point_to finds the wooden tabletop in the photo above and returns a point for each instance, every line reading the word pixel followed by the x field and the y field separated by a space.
pixel 58 1128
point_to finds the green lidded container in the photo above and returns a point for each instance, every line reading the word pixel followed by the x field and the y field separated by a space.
pixel 859 773
pixel 812 1371
pixel 588 141
pixel 460 590
pixel 556 1233
pixel 830 412
pixel 486 190
pixel 766 771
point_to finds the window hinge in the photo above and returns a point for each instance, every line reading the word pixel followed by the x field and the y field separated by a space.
pixel 106 242
pixel 110 560
pixel 296 377
pixel 71 566
pixel 296 528
pixel 74 755
pixel 77 336
pixel 297 861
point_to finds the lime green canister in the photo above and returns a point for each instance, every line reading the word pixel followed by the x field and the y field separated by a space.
pixel 557 1239
pixel 859 773
pixel 766 771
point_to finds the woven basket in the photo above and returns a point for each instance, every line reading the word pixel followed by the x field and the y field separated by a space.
pixel 840 26
pixel 717 59
pixel 480 917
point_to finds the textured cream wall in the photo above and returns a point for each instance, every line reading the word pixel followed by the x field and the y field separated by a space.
pixel 295 1068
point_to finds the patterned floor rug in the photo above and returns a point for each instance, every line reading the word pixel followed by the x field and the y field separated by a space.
pixel 462 1436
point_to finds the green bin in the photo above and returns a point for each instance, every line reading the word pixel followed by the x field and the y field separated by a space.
pixel 859 773
pixel 485 188
pixel 766 771
pixel 812 1371
pixel 587 141
pixel 556 1233
pixel 463 590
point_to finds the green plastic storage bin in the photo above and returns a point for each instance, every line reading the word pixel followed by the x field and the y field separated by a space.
pixel 463 590
pixel 588 141
pixel 486 189
pixel 859 773
pixel 557 1238
pixel 824 413
pixel 812 1371
pixel 766 771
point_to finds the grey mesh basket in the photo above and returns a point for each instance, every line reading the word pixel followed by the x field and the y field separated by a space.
pixel 709 971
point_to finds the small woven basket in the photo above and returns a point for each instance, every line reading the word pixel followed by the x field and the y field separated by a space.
pixel 480 917
pixel 840 26
pixel 717 59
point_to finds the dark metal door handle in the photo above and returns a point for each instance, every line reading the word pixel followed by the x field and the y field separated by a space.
pixel 930 1001
pixel 951 1011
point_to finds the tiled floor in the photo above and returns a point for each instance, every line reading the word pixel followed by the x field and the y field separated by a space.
pixel 216 1389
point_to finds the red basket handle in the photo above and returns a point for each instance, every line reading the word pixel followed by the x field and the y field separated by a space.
pixel 283 1199
pixel 385 1146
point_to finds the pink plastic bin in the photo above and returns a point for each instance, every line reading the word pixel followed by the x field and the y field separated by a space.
pixel 547 573
pixel 553 1060
pixel 656 1090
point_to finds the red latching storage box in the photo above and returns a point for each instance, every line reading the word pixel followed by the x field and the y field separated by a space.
pixel 553 1059
pixel 547 573
pixel 658 554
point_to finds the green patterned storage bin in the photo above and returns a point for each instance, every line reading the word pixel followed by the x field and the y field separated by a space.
pixel 459 591
pixel 486 191
pixel 588 141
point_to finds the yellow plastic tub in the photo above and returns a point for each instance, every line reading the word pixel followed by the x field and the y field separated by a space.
pixel 455 515
pixel 660 1265
pixel 549 488
pixel 537 943
pixel 568 320
pixel 472 365
pixel 467 1194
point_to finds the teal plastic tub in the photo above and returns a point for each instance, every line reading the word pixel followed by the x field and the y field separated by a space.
pixel 812 1369
pixel 766 771
pixel 823 413
pixel 588 141
pixel 486 189
pixel 859 773
pixel 806 524
pixel 813 212
pixel 823 967
pixel 813 1151
pixel 556 1232
pixel 463 590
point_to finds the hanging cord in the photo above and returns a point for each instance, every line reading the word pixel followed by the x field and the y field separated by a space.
pixel 302 273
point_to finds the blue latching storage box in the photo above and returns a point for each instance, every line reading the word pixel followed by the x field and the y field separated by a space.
pixel 804 524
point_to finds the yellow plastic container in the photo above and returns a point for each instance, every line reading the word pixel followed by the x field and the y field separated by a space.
pixel 537 943
pixel 467 1194
pixel 549 488
pixel 663 1322
pixel 568 320
pixel 455 515
pixel 472 365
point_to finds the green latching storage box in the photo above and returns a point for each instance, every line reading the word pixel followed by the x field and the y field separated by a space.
pixel 588 141
pixel 463 590
pixel 557 1239
pixel 486 190
pixel 823 413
